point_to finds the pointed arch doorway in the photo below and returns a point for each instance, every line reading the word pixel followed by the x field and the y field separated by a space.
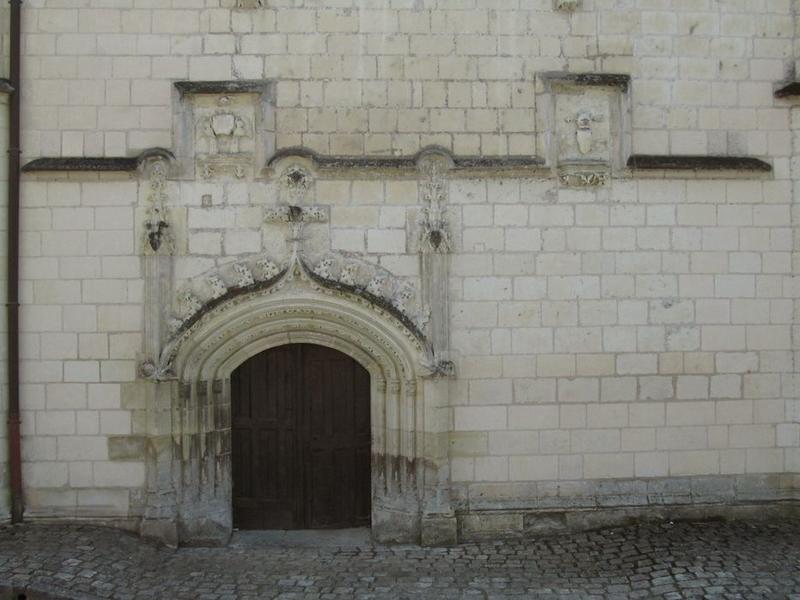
pixel 301 440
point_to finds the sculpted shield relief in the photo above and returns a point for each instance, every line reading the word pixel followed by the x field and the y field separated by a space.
pixel 224 135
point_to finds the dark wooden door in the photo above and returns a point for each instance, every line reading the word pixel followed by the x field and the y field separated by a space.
pixel 301 440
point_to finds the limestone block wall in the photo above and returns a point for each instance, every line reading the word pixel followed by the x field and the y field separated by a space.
pixel 81 332
pixel 380 77
pixel 643 331
pixel 629 343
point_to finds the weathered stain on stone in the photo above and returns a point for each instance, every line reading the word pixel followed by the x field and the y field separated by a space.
pixel 698 163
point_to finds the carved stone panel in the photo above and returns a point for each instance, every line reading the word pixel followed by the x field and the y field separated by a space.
pixel 225 129
pixel 584 125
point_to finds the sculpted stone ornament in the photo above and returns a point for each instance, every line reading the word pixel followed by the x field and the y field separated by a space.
pixel 583 124
pixel 223 132
pixel 377 286
pixel 323 268
pixel 404 295
pixel 434 229
pixel 568 5
pixel 156 226
pixel 153 372
pixel 190 304
pixel 297 217
pixel 584 137
pixel 439 368
pixel 349 274
pixel 174 325
pixel 584 178
pixel 218 287
pixel 269 270
pixel 245 275
pixel 295 183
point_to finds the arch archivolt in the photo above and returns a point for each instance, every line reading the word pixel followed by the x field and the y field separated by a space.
pixel 203 357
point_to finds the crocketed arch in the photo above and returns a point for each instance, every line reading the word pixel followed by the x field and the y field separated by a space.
pixel 233 332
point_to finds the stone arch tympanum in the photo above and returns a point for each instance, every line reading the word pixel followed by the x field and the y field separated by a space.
pixel 189 466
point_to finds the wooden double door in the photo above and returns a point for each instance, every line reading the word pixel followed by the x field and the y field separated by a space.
pixel 301 440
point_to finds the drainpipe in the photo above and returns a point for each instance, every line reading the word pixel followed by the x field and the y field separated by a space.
pixel 14 443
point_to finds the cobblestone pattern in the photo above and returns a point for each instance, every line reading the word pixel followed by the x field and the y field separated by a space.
pixel 669 561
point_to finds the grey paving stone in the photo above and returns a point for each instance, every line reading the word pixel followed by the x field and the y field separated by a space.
pixel 667 561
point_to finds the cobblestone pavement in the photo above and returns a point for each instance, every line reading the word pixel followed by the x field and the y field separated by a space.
pixel 681 560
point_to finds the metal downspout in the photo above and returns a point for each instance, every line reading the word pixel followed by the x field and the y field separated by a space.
pixel 14 435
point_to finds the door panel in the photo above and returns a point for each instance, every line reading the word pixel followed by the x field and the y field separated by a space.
pixel 301 440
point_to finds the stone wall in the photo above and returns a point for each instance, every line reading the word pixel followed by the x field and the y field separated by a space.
pixel 620 337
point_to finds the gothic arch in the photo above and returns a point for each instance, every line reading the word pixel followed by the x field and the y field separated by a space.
pixel 299 309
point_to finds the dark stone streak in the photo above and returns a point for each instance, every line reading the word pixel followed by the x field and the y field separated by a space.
pixel 222 87
pixel 404 162
pixel 81 163
pixel 789 90
pixel 698 163
pixel 96 163
pixel 618 80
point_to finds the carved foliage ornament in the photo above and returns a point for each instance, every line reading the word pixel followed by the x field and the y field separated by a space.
pixel 434 229
pixel 295 183
pixel 398 300
pixel 156 224
pixel 584 178
pixel 339 271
